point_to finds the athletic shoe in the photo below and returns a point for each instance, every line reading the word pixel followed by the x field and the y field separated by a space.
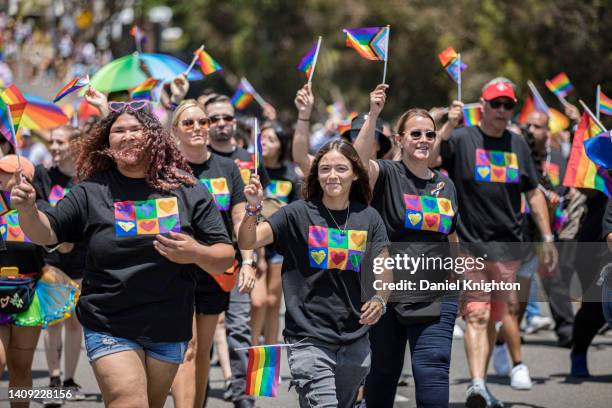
pixel 495 403
pixel 538 323
pixel 477 397
pixel 520 378
pixel 77 394
pixel 458 332
pixel 54 382
pixel 501 362
pixel 227 394
pixel 579 365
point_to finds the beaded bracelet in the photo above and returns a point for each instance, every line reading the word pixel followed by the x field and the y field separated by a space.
pixel 379 299
pixel 253 212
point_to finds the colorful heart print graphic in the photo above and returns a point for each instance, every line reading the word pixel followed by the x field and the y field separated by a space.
pixel 496 166
pixel 435 214
pixel 148 217
pixel 331 248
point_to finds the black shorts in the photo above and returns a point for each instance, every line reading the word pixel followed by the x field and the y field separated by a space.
pixel 210 299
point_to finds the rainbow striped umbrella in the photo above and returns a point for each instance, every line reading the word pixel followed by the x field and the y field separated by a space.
pixel 42 114
pixel 127 72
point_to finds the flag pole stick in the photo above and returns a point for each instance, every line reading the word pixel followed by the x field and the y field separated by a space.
pixel 597 122
pixel 314 63
pixel 255 131
pixel 10 118
pixel 193 61
pixel 597 101
pixel 563 100
pixel 384 81
pixel 459 78
pixel 536 94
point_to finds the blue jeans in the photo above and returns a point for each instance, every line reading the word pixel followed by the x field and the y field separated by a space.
pixel 430 349
pixel 99 345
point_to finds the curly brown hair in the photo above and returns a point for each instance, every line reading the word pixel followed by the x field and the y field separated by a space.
pixel 360 189
pixel 166 169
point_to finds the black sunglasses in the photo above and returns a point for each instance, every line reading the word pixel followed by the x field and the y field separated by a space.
pixel 417 134
pixel 190 123
pixel 218 118
pixel 508 105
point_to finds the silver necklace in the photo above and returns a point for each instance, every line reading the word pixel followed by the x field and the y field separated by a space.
pixel 348 211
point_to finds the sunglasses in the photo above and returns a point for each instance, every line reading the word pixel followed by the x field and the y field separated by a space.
pixel 131 105
pixel 218 118
pixel 190 123
pixel 509 105
pixel 417 134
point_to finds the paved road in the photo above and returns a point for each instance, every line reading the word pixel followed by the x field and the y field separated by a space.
pixel 548 364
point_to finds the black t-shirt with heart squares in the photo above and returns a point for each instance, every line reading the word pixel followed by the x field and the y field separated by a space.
pixel 323 267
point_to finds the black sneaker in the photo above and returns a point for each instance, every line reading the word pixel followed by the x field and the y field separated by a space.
pixel 77 394
pixel 54 382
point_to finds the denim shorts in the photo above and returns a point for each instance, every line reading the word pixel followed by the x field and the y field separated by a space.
pixel 272 256
pixel 100 344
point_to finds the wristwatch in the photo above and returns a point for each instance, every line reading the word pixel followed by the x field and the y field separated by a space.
pixel 548 238
pixel 248 262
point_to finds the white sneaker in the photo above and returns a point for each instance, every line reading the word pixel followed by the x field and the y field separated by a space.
pixel 501 362
pixel 538 323
pixel 520 378
pixel 458 332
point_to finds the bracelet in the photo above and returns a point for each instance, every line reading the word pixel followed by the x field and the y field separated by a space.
pixel 548 238
pixel 304 120
pixel 379 299
pixel 253 212
pixel 248 262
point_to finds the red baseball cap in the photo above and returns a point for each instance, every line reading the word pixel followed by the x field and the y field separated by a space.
pixel 10 163
pixel 498 90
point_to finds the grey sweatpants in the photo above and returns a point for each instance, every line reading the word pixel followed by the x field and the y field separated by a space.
pixel 238 335
pixel 327 375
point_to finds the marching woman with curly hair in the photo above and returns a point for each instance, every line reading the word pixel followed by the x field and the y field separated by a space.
pixel 145 222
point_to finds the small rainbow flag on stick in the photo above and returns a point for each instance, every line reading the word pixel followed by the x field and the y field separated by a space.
pixel 581 171
pixel 17 103
pixel 309 62
pixel 263 370
pixel 208 65
pixel 371 43
pixel 245 93
pixel 6 124
pixel 560 85
pixel 451 61
pixel 471 114
pixel 604 104
pixel 241 98
pixel 73 85
pixel 144 91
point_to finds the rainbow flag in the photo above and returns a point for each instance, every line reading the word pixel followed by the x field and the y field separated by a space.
pixel 605 104
pixel 471 114
pixel 263 371
pixel 305 64
pixel 15 100
pixel 581 171
pixel 560 85
pixel 6 128
pixel 73 85
pixel 208 65
pixel 453 69
pixel 556 120
pixel 447 56
pixel 145 89
pixel 370 42
pixel 242 98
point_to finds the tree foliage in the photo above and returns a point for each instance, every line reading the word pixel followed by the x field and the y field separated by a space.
pixel 525 39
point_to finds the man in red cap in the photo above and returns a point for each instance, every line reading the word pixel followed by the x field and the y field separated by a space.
pixel 491 167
